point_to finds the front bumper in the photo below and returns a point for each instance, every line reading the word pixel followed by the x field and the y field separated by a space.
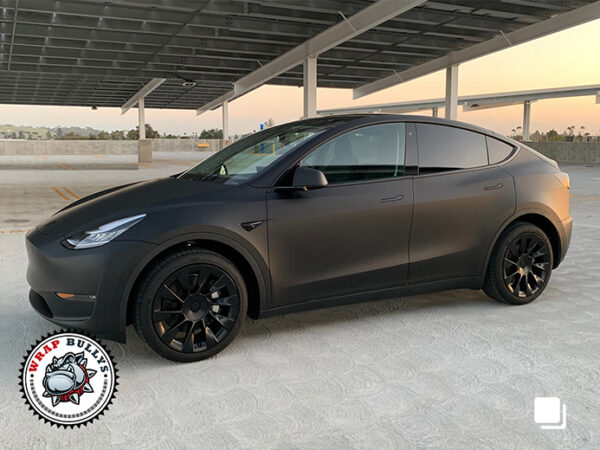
pixel 100 275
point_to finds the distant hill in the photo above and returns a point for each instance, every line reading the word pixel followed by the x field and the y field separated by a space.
pixel 8 129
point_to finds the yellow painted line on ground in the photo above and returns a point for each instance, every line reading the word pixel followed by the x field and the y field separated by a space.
pixel 60 193
pixel 97 156
pixel 15 231
pixel 68 191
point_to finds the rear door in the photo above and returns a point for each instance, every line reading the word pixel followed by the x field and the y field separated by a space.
pixel 460 203
pixel 351 236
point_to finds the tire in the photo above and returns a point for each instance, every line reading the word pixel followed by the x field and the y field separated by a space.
pixel 190 305
pixel 520 265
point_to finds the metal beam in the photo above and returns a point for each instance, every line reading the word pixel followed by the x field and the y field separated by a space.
pixel 139 95
pixel 556 23
pixel 310 87
pixel 451 101
pixel 12 37
pixel 473 102
pixel 346 29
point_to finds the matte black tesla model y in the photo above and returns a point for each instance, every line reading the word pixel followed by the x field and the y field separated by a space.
pixel 309 214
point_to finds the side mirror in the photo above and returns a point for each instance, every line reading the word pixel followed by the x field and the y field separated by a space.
pixel 306 178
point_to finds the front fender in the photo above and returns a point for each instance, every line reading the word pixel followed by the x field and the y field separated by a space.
pixel 251 254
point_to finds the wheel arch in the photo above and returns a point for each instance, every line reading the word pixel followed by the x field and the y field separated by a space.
pixel 539 219
pixel 255 275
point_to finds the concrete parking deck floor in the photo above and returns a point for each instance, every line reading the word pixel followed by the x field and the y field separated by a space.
pixel 446 370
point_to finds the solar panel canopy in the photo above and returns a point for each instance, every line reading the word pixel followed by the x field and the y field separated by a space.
pixel 100 53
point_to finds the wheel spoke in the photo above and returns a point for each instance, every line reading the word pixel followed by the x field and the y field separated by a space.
pixel 173 294
pixel 523 244
pixel 224 321
pixel 511 275
pixel 188 343
pixel 542 266
pixel 539 281
pixel 528 290
pixel 224 301
pixel 160 316
pixel 211 339
pixel 220 283
pixel 183 276
pixel 170 334
pixel 202 278
pixel 510 261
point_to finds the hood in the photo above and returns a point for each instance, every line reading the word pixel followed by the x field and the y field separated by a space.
pixel 125 201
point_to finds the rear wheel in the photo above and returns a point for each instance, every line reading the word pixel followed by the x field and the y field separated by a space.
pixel 520 265
pixel 190 305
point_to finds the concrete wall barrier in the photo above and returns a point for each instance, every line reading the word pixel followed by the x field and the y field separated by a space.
pixel 107 147
pixel 569 152
pixel 68 147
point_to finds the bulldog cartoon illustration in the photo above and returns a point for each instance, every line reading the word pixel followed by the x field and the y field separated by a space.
pixel 67 378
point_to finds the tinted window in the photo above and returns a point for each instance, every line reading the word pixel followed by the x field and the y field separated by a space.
pixel 245 158
pixel 366 153
pixel 497 150
pixel 444 148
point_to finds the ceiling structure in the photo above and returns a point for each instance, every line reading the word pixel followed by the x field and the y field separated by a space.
pixel 101 53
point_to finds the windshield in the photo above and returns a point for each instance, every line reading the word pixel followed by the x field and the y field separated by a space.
pixel 245 158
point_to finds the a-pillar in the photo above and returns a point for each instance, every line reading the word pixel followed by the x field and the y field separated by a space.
pixel 310 87
pixel 451 104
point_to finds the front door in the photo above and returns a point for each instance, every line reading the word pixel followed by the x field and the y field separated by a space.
pixel 351 236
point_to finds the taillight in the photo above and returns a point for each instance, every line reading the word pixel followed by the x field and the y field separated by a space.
pixel 564 179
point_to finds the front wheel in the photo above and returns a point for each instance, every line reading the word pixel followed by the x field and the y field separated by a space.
pixel 520 265
pixel 190 305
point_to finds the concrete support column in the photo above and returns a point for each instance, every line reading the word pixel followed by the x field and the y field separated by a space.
pixel 144 145
pixel 434 111
pixel 225 112
pixel 141 119
pixel 526 119
pixel 451 92
pixel 310 87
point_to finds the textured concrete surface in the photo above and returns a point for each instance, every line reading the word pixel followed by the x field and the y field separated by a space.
pixel 446 370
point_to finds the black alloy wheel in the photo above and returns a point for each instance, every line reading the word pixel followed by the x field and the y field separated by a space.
pixel 526 264
pixel 191 305
pixel 520 265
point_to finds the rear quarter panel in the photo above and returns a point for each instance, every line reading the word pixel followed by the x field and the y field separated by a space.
pixel 536 187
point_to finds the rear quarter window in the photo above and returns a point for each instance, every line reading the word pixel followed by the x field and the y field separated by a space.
pixel 498 151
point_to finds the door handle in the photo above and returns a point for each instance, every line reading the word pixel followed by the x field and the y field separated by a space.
pixel 395 198
pixel 491 188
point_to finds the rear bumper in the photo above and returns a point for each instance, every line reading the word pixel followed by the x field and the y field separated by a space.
pixel 567 229
pixel 97 276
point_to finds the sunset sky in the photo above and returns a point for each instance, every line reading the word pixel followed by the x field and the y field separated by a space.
pixel 567 58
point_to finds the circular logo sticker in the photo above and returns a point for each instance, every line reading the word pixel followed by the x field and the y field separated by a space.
pixel 68 378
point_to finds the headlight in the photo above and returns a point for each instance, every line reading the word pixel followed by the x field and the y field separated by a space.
pixel 103 234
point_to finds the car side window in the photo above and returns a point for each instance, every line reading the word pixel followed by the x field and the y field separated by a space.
pixel 366 153
pixel 443 148
pixel 497 150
